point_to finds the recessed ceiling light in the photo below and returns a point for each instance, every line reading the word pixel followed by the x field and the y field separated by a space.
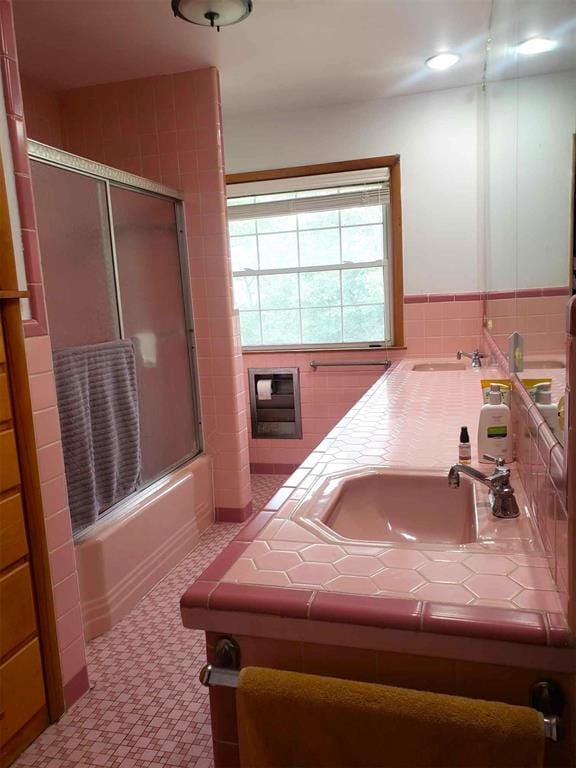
pixel 536 45
pixel 442 60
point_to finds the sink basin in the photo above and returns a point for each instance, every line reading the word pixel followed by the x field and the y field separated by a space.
pixel 439 367
pixel 396 506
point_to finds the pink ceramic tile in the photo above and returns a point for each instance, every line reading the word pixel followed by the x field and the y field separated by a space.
pixel 354 609
pixel 398 580
pixel 445 573
pixel 38 355
pixel 11 83
pixel 539 600
pixel 355 585
pixel 532 578
pixel 42 391
pixel 73 659
pixel 496 564
pixel 66 595
pixel 403 558
pixel 489 586
pixel 62 562
pixel 444 593
pixel 50 462
pixel 46 427
pixel 277 561
pixel 312 574
pixel 485 622
pixel 54 495
pixel 260 599
pixel 58 530
pixel 358 566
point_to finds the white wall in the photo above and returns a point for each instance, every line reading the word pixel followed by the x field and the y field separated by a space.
pixel 530 126
pixel 437 136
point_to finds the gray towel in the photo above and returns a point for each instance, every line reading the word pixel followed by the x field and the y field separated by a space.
pixel 98 404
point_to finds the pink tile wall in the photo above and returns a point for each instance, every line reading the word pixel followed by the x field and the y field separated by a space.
pixel 540 319
pixel 169 129
pixel 42 111
pixel 42 389
pixel 432 328
pixel 543 467
pixel 57 516
pixel 17 133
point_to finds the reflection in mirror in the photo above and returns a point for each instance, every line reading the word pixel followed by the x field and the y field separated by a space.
pixel 529 129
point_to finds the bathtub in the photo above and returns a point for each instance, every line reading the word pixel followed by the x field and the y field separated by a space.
pixel 121 557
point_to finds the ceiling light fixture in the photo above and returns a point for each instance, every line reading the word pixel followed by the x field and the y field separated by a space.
pixel 536 45
pixel 442 60
pixel 212 13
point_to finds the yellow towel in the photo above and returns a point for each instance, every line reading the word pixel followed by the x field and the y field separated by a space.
pixel 292 720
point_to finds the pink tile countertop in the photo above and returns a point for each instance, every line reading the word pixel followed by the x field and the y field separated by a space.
pixel 500 589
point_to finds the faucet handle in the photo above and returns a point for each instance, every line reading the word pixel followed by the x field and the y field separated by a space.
pixel 498 460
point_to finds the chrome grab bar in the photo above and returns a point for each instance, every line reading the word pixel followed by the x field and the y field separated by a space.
pixel 319 364
pixel 228 678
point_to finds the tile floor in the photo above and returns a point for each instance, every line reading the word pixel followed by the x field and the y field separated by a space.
pixel 146 708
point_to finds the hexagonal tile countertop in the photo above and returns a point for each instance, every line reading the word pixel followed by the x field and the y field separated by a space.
pixel 408 419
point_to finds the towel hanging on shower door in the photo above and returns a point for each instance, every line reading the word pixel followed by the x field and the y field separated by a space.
pixel 98 406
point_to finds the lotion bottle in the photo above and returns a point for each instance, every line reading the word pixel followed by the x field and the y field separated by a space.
pixel 548 409
pixel 494 433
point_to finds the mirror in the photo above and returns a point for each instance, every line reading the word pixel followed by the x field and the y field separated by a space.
pixel 529 140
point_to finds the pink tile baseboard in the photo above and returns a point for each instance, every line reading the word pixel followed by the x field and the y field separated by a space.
pixel 233 514
pixel 76 687
pixel 426 298
pixel 430 298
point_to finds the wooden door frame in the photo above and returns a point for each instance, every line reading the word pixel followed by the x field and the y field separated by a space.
pixel 10 296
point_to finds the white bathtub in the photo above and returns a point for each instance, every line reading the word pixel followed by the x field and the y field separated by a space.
pixel 125 554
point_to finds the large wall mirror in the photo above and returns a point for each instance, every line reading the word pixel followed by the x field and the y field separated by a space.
pixel 529 138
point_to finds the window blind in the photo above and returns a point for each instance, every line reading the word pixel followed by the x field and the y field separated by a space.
pixel 308 195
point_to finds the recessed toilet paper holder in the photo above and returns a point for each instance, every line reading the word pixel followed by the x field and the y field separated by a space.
pixel 276 415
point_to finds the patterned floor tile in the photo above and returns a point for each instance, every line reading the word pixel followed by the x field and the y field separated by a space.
pixel 146 708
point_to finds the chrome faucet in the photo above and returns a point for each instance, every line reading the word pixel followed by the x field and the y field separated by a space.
pixel 475 356
pixel 502 500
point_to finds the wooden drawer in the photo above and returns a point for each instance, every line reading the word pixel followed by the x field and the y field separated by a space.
pixel 9 471
pixel 21 690
pixel 2 348
pixel 5 406
pixel 14 545
pixel 17 609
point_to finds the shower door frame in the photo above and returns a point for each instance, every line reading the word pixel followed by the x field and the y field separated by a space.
pixel 113 177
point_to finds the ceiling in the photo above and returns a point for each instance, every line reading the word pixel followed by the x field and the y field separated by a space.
pixel 288 54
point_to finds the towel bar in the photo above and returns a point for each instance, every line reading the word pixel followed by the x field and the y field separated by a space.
pixel 319 364
pixel 543 693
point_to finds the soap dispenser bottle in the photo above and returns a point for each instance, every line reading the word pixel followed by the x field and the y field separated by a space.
pixel 549 410
pixel 494 433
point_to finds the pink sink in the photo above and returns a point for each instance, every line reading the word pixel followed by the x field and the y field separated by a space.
pixel 380 505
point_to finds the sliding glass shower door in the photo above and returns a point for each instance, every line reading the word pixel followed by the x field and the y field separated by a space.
pixel 152 311
pixel 114 269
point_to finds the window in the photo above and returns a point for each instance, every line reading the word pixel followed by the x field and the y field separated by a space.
pixel 312 260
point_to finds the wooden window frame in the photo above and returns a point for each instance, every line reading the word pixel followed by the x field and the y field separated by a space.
pixel 387 161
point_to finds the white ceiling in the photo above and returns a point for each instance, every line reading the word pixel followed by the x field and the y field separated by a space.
pixel 288 54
